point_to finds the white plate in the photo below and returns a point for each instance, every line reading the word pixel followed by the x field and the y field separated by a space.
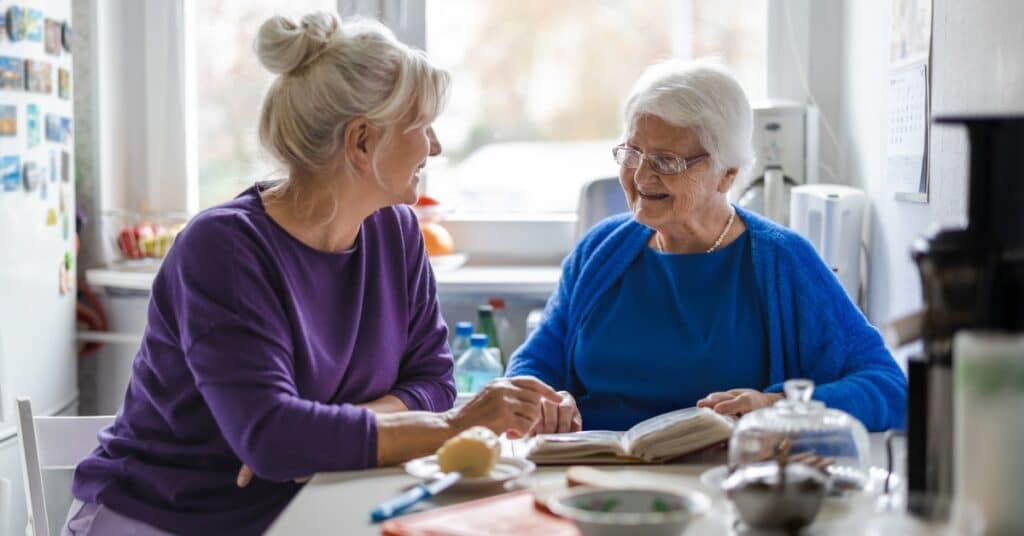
pixel 445 263
pixel 714 477
pixel 506 469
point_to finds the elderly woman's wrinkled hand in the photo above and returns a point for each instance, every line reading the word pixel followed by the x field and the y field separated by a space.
pixel 506 405
pixel 559 417
pixel 738 402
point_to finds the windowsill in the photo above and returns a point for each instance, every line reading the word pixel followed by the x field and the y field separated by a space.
pixel 512 217
pixel 521 281
pixel 525 281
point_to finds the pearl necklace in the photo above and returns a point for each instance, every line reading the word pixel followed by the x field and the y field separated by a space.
pixel 718 242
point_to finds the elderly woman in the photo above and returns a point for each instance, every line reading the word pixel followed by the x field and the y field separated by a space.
pixel 296 328
pixel 689 300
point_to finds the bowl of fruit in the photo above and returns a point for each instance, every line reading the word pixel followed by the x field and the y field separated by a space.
pixel 437 240
pixel 142 237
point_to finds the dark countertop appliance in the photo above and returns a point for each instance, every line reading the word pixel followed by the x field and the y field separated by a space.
pixel 971 278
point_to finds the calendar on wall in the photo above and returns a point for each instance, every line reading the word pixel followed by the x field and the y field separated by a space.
pixel 907 132
pixel 909 117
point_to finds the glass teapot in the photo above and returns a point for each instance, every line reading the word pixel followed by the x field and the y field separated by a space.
pixel 800 430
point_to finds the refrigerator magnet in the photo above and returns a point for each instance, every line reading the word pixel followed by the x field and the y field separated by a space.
pixel 65 36
pixel 51 217
pixel 39 76
pixel 62 278
pixel 32 122
pixel 44 193
pixel 12 73
pixel 15 20
pixel 65 166
pixel 30 176
pixel 54 163
pixel 10 168
pixel 53 37
pixel 33 24
pixel 64 83
pixel 66 229
pixel 69 273
pixel 53 131
pixel 8 120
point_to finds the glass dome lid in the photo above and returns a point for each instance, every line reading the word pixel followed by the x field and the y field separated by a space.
pixel 800 430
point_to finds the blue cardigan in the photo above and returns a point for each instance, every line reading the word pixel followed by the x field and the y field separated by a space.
pixel 814 330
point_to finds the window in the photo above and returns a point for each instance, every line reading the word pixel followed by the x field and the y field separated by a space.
pixel 538 87
pixel 230 84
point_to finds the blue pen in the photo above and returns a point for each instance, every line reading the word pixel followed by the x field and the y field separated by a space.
pixel 392 507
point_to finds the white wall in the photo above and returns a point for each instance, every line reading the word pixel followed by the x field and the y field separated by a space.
pixel 977 66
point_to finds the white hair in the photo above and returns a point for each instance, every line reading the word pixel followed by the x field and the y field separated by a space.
pixel 702 95
pixel 330 73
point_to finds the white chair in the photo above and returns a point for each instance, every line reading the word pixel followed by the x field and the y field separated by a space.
pixel 599 199
pixel 51 443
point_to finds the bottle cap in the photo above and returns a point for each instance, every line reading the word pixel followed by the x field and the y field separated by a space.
pixel 464 329
pixel 497 303
pixel 485 310
pixel 478 340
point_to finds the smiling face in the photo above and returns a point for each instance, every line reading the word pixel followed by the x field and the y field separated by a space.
pixel 401 160
pixel 662 201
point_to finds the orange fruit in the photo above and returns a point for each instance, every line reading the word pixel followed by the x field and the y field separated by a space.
pixel 437 239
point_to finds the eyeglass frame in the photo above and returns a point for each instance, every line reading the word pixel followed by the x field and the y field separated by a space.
pixel 679 162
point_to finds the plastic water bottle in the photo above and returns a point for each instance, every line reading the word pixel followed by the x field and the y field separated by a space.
pixel 504 329
pixel 463 330
pixel 485 321
pixel 476 367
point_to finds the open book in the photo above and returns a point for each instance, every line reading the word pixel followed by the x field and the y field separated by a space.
pixel 658 439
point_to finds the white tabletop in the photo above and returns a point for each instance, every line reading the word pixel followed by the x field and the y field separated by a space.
pixel 340 503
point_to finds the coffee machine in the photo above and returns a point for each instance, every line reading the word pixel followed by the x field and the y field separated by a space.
pixel 971 278
pixel 786 150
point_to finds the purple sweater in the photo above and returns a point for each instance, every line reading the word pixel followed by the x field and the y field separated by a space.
pixel 256 349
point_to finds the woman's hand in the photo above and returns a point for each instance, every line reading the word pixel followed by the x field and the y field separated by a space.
pixel 738 401
pixel 560 417
pixel 245 476
pixel 506 405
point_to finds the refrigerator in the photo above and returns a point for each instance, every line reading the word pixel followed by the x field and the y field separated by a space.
pixel 37 236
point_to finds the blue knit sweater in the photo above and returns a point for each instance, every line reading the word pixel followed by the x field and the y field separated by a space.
pixel 814 330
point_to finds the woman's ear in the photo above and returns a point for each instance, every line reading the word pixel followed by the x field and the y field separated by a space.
pixel 727 179
pixel 356 143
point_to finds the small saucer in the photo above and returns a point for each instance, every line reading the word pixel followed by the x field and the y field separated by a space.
pixel 447 263
pixel 507 468
pixel 874 484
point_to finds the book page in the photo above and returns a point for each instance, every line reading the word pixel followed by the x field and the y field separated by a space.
pixel 576 444
pixel 675 433
pixel 659 423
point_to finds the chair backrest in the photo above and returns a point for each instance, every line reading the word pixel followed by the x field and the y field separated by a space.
pixel 51 443
pixel 599 199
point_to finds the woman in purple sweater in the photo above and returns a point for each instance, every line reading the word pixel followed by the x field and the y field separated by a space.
pixel 296 328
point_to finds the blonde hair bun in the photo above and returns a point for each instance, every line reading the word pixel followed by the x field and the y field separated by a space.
pixel 284 46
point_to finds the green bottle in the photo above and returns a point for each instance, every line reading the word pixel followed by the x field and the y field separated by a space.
pixel 485 323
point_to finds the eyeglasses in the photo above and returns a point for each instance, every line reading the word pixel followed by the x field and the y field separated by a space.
pixel 664 164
